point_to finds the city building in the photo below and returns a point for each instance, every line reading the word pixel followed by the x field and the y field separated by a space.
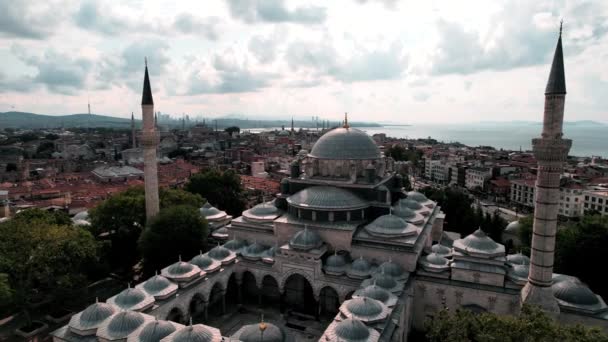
pixel 596 200
pixel 477 177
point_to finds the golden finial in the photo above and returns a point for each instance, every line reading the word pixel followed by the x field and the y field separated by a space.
pixel 262 325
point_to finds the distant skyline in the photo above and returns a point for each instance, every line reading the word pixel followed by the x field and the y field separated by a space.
pixel 380 60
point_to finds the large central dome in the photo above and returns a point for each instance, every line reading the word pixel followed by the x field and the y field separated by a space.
pixel 345 143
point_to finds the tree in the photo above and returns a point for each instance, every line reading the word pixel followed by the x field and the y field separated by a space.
pixel 177 230
pixel 123 217
pixel 531 325
pixel 457 206
pixel 232 129
pixel 45 149
pixel 222 189
pixel 41 258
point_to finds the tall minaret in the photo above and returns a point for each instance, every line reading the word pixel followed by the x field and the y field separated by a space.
pixel 550 151
pixel 133 142
pixel 149 142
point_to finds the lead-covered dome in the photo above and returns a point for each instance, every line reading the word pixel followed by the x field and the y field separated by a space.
pixel 518 259
pixel 335 264
pixel 94 314
pixel 364 307
pixel 263 331
pixel 390 226
pixel 409 203
pixel 360 268
pixel 442 250
pixel 194 333
pixel 155 331
pixel 479 244
pixel 375 292
pixel 513 227
pixel 156 284
pixel 306 240
pixel 219 253
pixel 124 323
pixel 326 198
pixel 352 330
pixel 417 196
pixel 574 292
pixel 345 143
pixel 129 298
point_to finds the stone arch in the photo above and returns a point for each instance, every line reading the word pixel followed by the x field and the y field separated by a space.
pixel 298 272
pixel 196 305
pixel 216 298
pixel 329 301
pixel 250 288
pixel 176 315
pixel 299 294
pixel 271 295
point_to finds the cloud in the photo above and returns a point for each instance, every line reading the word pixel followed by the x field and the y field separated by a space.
pixel 189 24
pixel 59 72
pixel 274 11
pixel 93 17
pixel 19 19
pixel 521 36
pixel 367 65
pixel 390 4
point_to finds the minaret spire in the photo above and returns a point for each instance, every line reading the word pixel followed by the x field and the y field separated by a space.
pixel 149 141
pixel 133 142
pixel 550 151
pixel 146 97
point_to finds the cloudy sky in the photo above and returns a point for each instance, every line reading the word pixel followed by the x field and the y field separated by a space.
pixel 380 60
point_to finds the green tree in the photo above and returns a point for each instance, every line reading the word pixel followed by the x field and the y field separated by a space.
pixel 531 325
pixel 173 197
pixel 177 230
pixel 460 216
pixel 232 129
pixel 43 259
pixel 222 189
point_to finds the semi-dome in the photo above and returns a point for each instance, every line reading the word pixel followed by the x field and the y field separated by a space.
pixel 440 249
pixel 129 298
pixel 326 198
pixel 94 314
pixel 364 307
pixel 262 332
pixel 390 225
pixel 513 227
pixel 306 240
pixel 345 143
pixel 156 284
pixel 352 330
pixel 417 196
pixel 574 292
pixel 480 244
pixel 193 333
pixel 518 259
pixel 409 203
pixel 124 323
pixel 335 264
pixel 155 331
pixel 360 268
pixel 219 253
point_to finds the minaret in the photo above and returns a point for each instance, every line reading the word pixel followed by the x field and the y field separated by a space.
pixel 292 128
pixel 133 142
pixel 346 125
pixel 551 152
pixel 149 142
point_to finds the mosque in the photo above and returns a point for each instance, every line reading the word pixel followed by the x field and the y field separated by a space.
pixel 343 244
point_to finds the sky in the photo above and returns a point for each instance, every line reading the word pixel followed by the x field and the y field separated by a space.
pixel 391 61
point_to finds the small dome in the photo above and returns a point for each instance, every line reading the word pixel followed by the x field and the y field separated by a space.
pixel 124 323
pixel 351 330
pixel 235 244
pixel 81 223
pixel 360 267
pixel 518 259
pixel 335 263
pixel 388 224
pixel 95 314
pixel 520 271
pixel 156 331
pixel 306 240
pixel 193 333
pixel 180 268
pixel 202 261
pixel 513 227
pixel 436 259
pixel 253 333
pixel 364 307
pixel 219 253
pixel 376 292
pixel 345 143
pixel 385 281
pixel 270 252
pixel 409 203
pixel 392 269
pixel 156 284
pixel 256 248
pixel 264 209
pixel 479 243
pixel 417 196
pixel 129 298
pixel 284 133
pixel 326 197
pixel 208 210
pixel 83 215
pixel 403 211
pixel 441 249
pixel 574 292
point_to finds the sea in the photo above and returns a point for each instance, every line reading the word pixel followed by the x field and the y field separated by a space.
pixel 588 139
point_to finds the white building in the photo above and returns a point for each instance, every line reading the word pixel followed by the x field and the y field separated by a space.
pixel 596 200
pixel 570 202
pixel 476 177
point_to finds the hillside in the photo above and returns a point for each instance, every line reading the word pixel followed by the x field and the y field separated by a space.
pixel 31 120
